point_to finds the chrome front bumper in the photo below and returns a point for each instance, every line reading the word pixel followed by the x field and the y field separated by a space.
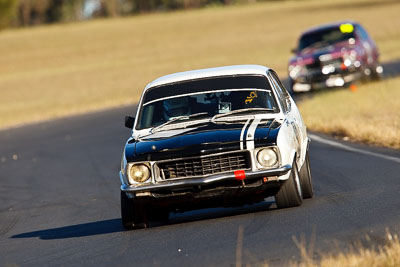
pixel 325 81
pixel 193 182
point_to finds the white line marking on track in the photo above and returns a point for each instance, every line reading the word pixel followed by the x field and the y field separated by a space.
pixel 348 148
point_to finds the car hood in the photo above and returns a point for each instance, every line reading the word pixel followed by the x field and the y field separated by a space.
pixel 205 139
pixel 309 55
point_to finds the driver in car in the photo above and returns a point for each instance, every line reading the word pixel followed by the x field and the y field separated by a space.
pixel 176 107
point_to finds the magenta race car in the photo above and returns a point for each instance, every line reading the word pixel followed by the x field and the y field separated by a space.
pixel 333 55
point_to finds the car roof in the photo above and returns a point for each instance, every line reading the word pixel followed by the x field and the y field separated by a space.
pixel 327 26
pixel 209 72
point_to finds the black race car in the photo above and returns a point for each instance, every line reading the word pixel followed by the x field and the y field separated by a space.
pixel 213 137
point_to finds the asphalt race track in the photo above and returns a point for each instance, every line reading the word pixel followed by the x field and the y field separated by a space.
pixel 59 204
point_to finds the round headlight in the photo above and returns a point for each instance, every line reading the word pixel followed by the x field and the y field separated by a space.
pixel 294 71
pixel 267 157
pixel 139 173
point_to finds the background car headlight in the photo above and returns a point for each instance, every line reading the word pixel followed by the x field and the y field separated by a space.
pixel 138 173
pixel 294 71
pixel 267 157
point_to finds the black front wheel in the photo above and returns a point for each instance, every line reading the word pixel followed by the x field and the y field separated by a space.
pixel 305 178
pixel 290 193
pixel 133 213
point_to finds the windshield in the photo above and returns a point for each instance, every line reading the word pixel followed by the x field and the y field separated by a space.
pixel 205 105
pixel 202 99
pixel 325 37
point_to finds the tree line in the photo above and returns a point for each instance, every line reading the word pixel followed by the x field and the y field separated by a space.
pixel 16 13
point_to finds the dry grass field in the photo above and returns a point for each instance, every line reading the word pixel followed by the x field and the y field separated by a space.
pixel 369 115
pixel 382 256
pixel 53 71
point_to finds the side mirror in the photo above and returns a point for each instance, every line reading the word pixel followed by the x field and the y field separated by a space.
pixel 129 121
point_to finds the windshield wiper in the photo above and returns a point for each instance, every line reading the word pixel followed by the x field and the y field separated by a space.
pixel 238 111
pixel 179 118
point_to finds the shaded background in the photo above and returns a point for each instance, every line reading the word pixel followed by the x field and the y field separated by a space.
pixel 71 68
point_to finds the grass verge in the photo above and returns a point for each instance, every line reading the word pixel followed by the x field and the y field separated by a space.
pixel 369 115
pixel 383 256
pixel 53 71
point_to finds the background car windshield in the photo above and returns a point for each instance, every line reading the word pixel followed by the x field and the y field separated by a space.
pixel 209 104
pixel 324 37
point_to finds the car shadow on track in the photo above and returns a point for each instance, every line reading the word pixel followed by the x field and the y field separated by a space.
pixel 78 230
pixel 115 226
pixel 216 213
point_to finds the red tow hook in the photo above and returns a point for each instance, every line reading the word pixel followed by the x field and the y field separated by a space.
pixel 240 175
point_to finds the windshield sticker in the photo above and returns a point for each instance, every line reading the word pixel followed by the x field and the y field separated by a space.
pixel 346 28
pixel 250 98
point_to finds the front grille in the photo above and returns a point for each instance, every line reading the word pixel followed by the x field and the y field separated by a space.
pixel 317 64
pixel 336 62
pixel 207 165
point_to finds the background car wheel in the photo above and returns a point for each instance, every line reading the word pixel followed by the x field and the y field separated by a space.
pixel 290 194
pixel 377 73
pixel 132 213
pixel 305 178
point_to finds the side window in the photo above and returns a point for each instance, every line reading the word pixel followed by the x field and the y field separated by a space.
pixel 284 97
pixel 363 34
pixel 281 97
pixel 278 81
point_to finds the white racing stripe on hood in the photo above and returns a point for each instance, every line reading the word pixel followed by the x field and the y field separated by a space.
pixel 251 132
pixel 242 133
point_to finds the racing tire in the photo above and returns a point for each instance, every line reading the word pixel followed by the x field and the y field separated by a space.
pixel 305 178
pixel 290 193
pixel 132 213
